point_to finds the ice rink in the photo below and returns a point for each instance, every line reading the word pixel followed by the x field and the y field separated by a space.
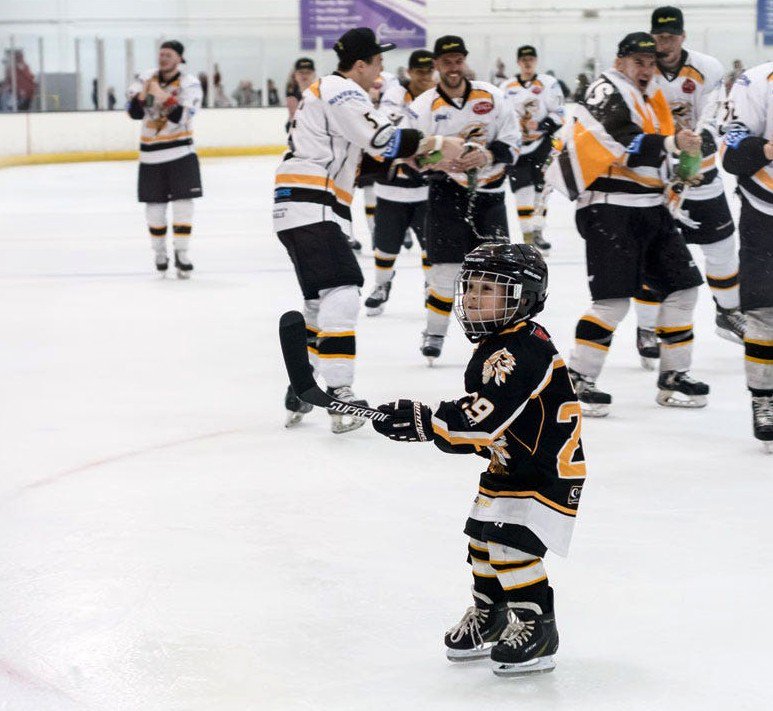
pixel 167 544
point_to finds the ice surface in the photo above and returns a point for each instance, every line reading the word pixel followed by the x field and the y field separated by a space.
pixel 167 544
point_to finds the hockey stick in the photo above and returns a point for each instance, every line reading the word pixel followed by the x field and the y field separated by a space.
pixel 292 336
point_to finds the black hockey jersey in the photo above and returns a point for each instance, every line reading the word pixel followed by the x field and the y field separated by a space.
pixel 521 413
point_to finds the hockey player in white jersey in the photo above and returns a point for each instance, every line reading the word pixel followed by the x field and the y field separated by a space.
pixel 693 86
pixel 314 183
pixel 466 196
pixel 539 106
pixel 748 153
pixel 401 200
pixel 165 100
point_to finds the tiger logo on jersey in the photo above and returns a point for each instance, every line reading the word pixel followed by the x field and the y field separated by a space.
pixel 499 455
pixel 498 365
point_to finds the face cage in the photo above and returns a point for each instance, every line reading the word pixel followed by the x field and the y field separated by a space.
pixel 505 312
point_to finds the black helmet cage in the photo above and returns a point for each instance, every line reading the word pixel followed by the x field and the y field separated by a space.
pixel 522 271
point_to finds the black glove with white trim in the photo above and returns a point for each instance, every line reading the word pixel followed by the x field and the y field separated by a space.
pixel 409 421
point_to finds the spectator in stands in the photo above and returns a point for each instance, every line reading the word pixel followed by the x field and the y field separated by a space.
pixel 204 81
pixel 581 86
pixel 302 77
pixel 111 100
pixel 95 94
pixel 273 94
pixel 561 83
pixel 735 72
pixel 498 74
pixel 245 95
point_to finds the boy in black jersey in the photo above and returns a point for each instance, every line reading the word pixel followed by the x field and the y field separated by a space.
pixel 521 413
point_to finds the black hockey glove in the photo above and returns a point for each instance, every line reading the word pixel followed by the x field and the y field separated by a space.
pixel 409 421
pixel 548 126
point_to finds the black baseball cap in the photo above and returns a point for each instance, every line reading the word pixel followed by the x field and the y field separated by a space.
pixel 667 20
pixel 359 43
pixel 637 43
pixel 176 46
pixel 304 63
pixel 449 44
pixel 526 50
pixel 420 59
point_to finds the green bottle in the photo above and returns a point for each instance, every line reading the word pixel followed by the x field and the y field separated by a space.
pixel 689 165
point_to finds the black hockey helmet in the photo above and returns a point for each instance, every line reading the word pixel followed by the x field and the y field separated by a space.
pixel 519 269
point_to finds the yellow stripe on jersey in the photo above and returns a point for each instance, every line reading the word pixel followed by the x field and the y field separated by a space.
pixel 316 181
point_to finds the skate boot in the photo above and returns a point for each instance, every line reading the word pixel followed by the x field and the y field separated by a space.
pixel 762 417
pixel 374 304
pixel 593 402
pixel 648 347
pixel 536 239
pixel 677 389
pixel 731 324
pixel 296 408
pixel 162 262
pixel 528 643
pixel 183 265
pixel 476 633
pixel 354 243
pixel 340 424
pixel 431 346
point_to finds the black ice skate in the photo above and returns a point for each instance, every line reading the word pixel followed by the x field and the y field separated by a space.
pixel 431 346
pixel 296 408
pixel 593 402
pixel 677 389
pixel 536 239
pixel 648 347
pixel 340 424
pixel 762 417
pixel 476 633
pixel 528 642
pixel 183 265
pixel 374 304
pixel 162 262
pixel 731 324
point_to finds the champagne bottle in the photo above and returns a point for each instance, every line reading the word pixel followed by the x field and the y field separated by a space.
pixel 689 165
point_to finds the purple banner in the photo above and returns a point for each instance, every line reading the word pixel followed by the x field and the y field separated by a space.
pixel 403 22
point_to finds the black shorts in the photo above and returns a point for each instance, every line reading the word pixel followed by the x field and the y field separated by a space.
pixel 393 219
pixel 322 257
pixel 175 180
pixel 626 247
pixel 457 222
pixel 755 229
pixel 716 222
pixel 528 168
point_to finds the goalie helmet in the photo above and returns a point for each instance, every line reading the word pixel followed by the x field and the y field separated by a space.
pixel 519 277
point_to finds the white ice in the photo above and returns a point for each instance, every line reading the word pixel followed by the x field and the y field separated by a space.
pixel 166 544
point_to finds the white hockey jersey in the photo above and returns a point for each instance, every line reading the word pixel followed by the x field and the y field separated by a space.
pixel 162 140
pixel 483 115
pixel 695 92
pixel 334 123
pixel 750 113
pixel 536 99
pixel 394 103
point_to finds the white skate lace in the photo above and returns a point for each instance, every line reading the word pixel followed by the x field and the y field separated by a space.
pixel 763 409
pixel 470 622
pixel 518 631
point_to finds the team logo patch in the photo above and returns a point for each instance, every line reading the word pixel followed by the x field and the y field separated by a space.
pixel 688 86
pixel 483 107
pixel 498 366
pixel 536 90
pixel 574 495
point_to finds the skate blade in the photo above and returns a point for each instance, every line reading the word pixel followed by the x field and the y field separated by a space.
pixel 728 335
pixel 541 665
pixel 341 425
pixel 293 418
pixel 649 363
pixel 374 310
pixel 767 447
pixel 594 409
pixel 430 360
pixel 183 275
pixel 670 398
pixel 469 655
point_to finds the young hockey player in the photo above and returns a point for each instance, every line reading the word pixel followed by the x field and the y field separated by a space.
pixel 520 413
pixel 749 155
pixel 165 100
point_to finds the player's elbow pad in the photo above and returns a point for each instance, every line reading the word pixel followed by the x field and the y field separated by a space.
pixel 404 143
pixel 502 152
pixel 744 155
pixel 646 149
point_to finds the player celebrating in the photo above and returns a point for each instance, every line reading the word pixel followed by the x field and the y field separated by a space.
pixel 521 414
pixel 466 196
pixel 165 100
pixel 401 203
pixel 333 124
pixel 614 164
pixel 749 155
pixel 538 102
pixel 693 86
